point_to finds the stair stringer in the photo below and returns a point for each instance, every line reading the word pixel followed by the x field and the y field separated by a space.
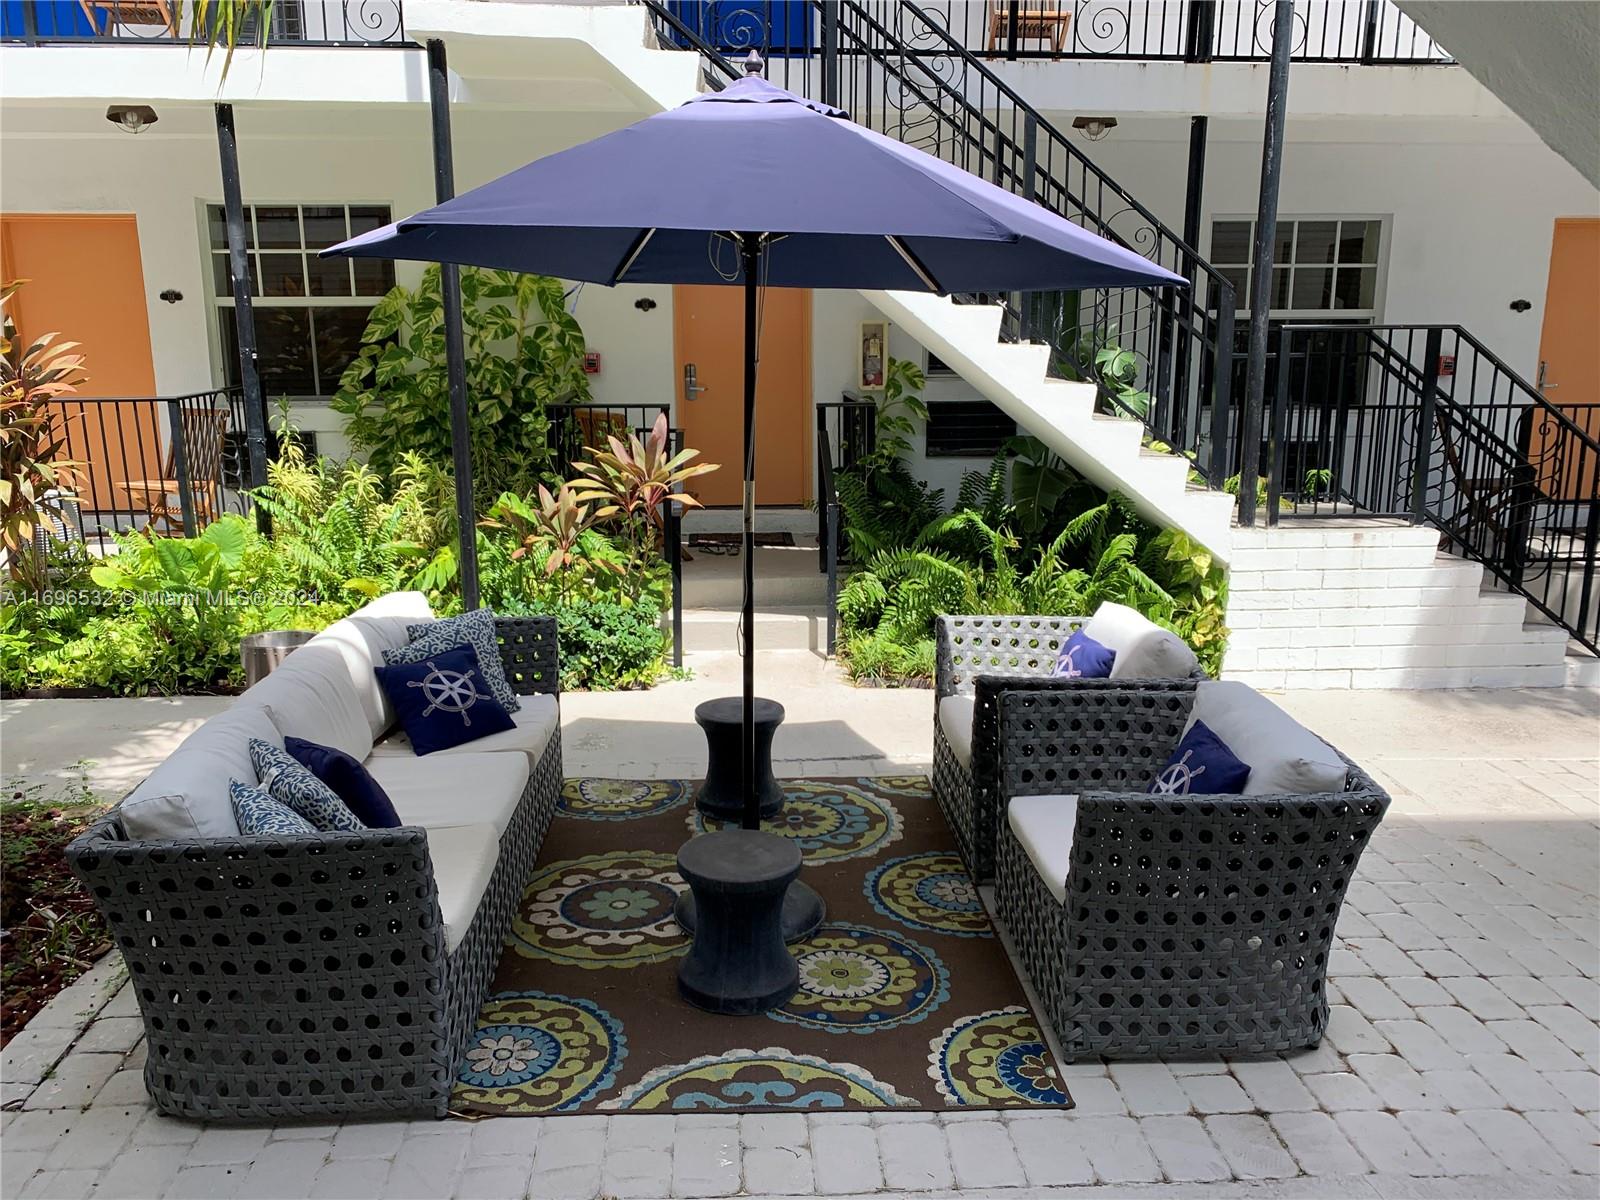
pixel 1107 451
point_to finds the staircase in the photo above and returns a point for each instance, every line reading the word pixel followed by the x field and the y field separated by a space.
pixel 1426 621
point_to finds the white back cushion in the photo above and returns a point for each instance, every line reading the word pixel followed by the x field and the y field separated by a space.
pixel 955 718
pixel 363 636
pixel 187 795
pixel 312 696
pixel 1144 649
pixel 1044 825
pixel 1284 757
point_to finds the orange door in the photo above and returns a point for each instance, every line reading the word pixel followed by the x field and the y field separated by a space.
pixel 708 324
pixel 86 283
pixel 1569 352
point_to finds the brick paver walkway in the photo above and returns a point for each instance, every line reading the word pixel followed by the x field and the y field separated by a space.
pixel 1461 1059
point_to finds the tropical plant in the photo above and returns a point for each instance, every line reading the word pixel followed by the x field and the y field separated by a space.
pixel 894 424
pixel 524 352
pixel 36 477
pixel 635 481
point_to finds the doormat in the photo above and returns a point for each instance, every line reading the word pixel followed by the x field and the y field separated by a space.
pixel 732 543
pixel 907 998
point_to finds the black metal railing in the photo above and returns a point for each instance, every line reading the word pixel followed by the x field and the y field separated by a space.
pixel 847 432
pixel 1424 423
pixel 900 71
pixel 1325 31
pixel 575 427
pixel 127 467
pixel 172 22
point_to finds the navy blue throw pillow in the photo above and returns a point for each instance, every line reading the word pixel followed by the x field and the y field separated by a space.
pixel 350 781
pixel 443 701
pixel 1203 766
pixel 1082 657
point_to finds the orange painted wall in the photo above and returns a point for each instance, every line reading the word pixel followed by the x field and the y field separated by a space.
pixel 86 282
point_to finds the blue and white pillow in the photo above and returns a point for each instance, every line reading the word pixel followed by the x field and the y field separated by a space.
pixel 288 782
pixel 1201 765
pixel 259 813
pixel 443 700
pixel 1081 657
pixel 475 629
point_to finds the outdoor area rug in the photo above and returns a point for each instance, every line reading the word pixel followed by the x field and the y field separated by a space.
pixel 907 998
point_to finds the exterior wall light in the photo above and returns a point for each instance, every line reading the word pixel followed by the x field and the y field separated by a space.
pixel 1094 128
pixel 132 118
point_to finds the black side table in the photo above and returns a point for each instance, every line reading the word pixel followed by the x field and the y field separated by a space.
pixel 722 795
pixel 738 964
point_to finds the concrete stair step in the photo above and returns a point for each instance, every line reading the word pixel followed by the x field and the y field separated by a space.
pixel 714 630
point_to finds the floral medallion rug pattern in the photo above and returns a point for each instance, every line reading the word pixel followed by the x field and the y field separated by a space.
pixel 906 998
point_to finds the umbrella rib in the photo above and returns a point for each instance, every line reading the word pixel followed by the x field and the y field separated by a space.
pixel 639 243
pixel 915 264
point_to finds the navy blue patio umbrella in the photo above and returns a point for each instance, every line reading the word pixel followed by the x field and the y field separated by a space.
pixel 754 186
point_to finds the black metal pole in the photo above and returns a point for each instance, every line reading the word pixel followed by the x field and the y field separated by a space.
pixel 455 358
pixel 1266 232
pixel 1194 193
pixel 1427 403
pixel 830 54
pixel 255 404
pixel 750 253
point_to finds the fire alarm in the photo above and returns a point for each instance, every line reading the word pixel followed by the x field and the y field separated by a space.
pixel 591 362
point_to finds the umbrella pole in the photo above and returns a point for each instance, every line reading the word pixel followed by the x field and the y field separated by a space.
pixel 750 253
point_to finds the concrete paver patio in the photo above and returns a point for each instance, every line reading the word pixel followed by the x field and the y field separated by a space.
pixel 1462 1058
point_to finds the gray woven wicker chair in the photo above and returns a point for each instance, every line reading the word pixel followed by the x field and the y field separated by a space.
pixel 307 976
pixel 1192 925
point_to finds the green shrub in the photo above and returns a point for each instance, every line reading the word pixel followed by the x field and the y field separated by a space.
pixel 605 646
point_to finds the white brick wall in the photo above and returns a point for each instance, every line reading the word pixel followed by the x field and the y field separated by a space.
pixel 1375 606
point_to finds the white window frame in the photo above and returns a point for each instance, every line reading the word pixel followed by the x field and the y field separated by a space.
pixel 1371 316
pixel 216 301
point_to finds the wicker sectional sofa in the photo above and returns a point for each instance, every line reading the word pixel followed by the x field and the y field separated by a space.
pixel 1170 925
pixel 336 974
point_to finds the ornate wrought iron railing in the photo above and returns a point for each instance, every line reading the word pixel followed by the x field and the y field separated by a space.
pixel 169 22
pixel 1326 31
pixel 1152 352
pixel 1423 422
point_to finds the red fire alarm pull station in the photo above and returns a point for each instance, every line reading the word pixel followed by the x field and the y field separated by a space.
pixel 591 362
pixel 1447 365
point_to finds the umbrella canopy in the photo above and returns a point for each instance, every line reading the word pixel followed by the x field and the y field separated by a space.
pixel 848 208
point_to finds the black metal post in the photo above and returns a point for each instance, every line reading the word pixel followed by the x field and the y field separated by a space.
pixel 180 466
pixel 1013 18
pixel 1030 163
pixel 830 54
pixel 832 551
pixel 1275 427
pixel 1369 32
pixel 30 24
pixel 444 187
pixel 1222 385
pixel 1194 192
pixel 1202 32
pixel 1183 351
pixel 1266 232
pixel 255 404
pixel 750 255
pixel 1424 456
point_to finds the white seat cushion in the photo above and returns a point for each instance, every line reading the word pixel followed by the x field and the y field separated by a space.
pixel 1044 826
pixel 955 718
pixel 312 696
pixel 187 795
pixel 535 722
pixel 361 639
pixel 441 791
pixel 1144 649
pixel 463 857
pixel 1285 758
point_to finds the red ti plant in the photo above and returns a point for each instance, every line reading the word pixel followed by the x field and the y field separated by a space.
pixel 637 480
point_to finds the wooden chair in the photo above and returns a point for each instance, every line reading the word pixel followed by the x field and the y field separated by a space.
pixel 1044 22
pixel 120 12
pixel 161 499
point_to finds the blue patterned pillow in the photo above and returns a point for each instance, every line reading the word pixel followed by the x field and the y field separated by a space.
pixel 289 783
pixel 443 701
pixel 1082 657
pixel 258 812
pixel 1201 765
pixel 475 629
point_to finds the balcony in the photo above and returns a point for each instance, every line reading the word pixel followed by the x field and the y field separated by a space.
pixel 172 22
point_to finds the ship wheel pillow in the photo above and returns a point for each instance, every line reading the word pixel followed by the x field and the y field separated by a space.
pixel 444 699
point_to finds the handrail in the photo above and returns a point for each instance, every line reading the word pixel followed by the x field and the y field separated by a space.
pixel 1424 423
